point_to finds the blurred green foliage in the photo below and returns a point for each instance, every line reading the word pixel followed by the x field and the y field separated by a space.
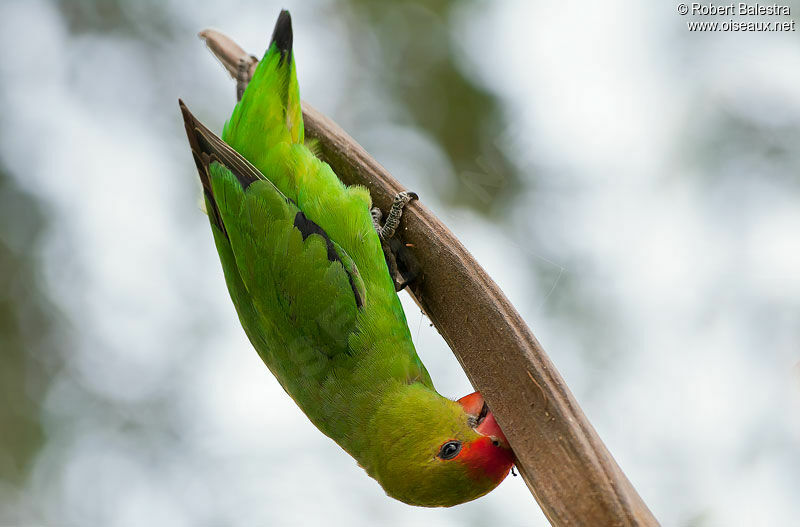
pixel 28 325
pixel 414 62
pixel 145 20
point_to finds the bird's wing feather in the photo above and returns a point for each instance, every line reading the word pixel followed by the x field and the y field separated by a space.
pixel 293 276
pixel 299 283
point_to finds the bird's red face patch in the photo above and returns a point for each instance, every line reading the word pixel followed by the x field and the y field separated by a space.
pixel 490 455
pixel 485 458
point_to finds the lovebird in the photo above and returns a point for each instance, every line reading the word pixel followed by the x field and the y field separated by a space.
pixel 305 268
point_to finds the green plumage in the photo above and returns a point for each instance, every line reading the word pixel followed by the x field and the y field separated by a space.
pixel 306 272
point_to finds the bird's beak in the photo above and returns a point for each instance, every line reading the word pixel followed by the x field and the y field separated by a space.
pixel 484 421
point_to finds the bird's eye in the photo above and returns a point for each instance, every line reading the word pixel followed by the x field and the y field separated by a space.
pixel 449 450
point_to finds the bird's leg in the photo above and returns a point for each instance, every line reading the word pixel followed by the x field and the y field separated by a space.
pixel 386 231
pixel 244 72
pixel 402 265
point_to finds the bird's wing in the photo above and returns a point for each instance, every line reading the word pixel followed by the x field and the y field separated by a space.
pixel 302 288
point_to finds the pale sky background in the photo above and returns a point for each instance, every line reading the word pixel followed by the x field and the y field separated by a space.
pixel 652 243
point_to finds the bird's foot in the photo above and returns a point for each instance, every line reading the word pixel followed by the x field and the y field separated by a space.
pixel 386 230
pixel 402 265
pixel 244 72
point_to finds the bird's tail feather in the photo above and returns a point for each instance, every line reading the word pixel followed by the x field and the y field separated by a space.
pixel 269 111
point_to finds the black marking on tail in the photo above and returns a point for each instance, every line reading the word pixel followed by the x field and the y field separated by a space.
pixel 307 228
pixel 282 35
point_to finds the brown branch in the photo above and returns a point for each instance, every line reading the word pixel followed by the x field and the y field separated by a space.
pixel 560 456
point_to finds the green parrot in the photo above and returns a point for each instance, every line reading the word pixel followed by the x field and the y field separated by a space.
pixel 306 271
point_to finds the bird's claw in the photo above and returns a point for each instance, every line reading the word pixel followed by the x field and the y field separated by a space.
pixel 389 227
pixel 402 265
pixel 244 72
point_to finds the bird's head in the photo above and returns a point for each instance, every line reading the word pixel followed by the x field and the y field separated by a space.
pixel 436 452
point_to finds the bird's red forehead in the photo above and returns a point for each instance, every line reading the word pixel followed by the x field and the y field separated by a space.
pixel 485 423
pixel 472 403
